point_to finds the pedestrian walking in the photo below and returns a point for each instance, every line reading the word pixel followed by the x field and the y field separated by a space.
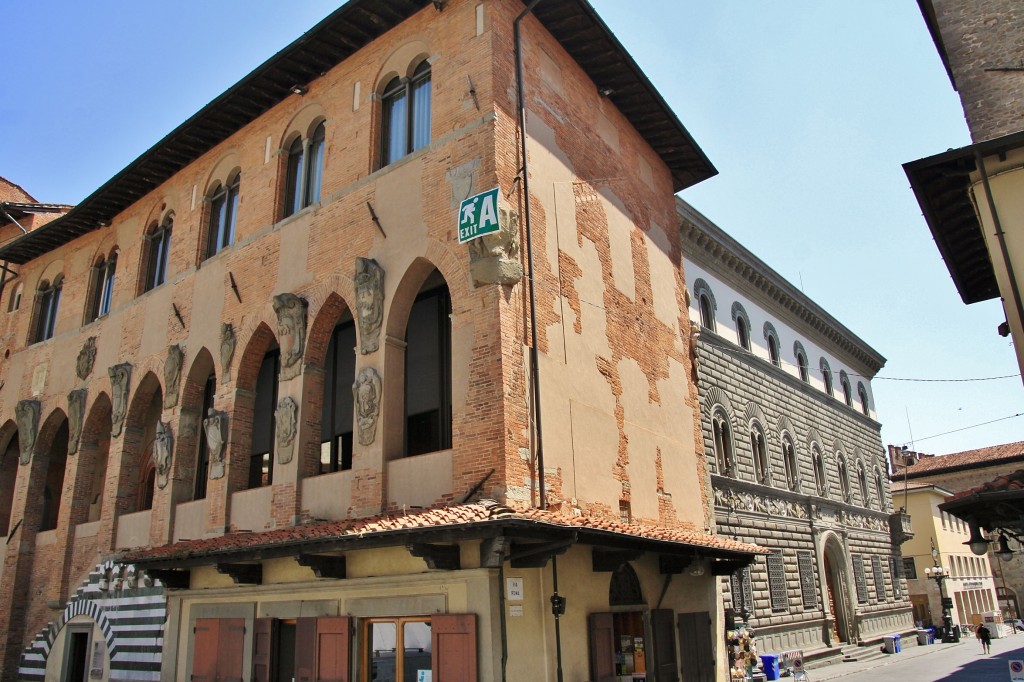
pixel 986 638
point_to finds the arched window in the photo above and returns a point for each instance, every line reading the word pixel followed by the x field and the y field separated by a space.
pixel 223 212
pixel 862 480
pixel 15 301
pixel 102 287
pixel 862 393
pixel 789 461
pixel 304 171
pixel 879 490
pixel 337 411
pixel 722 435
pixel 743 333
pixel 47 305
pixel 773 351
pixel 820 482
pixel 203 450
pixel 826 378
pixel 801 363
pixel 847 390
pixel 707 312
pixel 760 454
pixel 405 115
pixel 53 486
pixel 428 375
pixel 158 249
pixel 261 456
pixel 844 476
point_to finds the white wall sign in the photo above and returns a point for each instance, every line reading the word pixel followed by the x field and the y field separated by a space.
pixel 514 589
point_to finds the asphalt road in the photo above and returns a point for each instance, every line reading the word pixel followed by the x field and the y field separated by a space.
pixel 963 662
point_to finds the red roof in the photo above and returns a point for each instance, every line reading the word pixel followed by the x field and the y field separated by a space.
pixel 1009 482
pixel 969 459
pixel 451 518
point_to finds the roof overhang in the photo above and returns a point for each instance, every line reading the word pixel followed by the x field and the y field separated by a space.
pixel 942 185
pixel 574 23
pixel 996 510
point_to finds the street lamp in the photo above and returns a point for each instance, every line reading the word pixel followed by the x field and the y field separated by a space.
pixel 939 575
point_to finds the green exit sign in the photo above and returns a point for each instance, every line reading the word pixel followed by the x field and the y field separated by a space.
pixel 478 215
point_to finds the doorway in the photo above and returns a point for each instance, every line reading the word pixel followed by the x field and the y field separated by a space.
pixel 834 592
pixel 76 665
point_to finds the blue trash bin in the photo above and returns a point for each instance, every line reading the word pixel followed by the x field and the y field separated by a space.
pixel 899 645
pixel 771 666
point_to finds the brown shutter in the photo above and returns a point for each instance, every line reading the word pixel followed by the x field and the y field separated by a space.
pixel 663 653
pixel 602 647
pixel 454 644
pixel 204 649
pixel 230 649
pixel 305 649
pixel 264 649
pixel 698 657
pixel 333 649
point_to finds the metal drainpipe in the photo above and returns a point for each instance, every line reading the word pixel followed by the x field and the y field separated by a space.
pixel 529 252
pixel 1000 235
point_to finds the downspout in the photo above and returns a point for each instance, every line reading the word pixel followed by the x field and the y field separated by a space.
pixel 1000 235
pixel 535 375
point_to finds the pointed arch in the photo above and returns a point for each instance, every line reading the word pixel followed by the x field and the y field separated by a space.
pixel 52 455
pixel 94 451
pixel 251 425
pixel 417 374
pixel 9 452
pixel 190 467
pixel 144 411
pixel 332 346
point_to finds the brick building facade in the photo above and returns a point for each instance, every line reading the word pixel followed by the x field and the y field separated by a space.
pixel 794 449
pixel 260 397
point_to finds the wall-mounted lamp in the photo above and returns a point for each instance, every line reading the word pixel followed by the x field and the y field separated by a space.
pixel 103 223
pixel 606 92
pixel 1003 550
pixel 299 89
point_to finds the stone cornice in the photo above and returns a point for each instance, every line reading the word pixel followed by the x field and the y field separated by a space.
pixel 707 244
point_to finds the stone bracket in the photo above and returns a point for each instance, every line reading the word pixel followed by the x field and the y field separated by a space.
pixel 492 551
pixel 242 574
pixel 536 554
pixel 324 566
pixel 673 565
pixel 609 560
pixel 445 557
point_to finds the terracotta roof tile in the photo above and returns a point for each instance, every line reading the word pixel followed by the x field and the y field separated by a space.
pixel 930 464
pixel 1005 483
pixel 461 515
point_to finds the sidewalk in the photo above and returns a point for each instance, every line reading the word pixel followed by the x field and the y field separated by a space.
pixel 960 661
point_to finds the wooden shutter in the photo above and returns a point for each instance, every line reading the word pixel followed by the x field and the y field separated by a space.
pixel 333 649
pixel 602 647
pixel 264 649
pixel 777 581
pixel 662 652
pixel 204 649
pixel 230 649
pixel 879 578
pixel 305 649
pixel 808 589
pixel 453 639
pixel 695 650
pixel 858 578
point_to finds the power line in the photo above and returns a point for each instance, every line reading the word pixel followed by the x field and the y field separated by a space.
pixel 972 426
pixel 1005 376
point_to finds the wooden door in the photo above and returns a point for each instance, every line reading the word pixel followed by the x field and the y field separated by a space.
pixel 696 653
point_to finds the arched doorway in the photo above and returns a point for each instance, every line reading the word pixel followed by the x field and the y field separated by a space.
pixel 835 591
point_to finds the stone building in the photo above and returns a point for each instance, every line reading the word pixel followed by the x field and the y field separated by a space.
pixel 264 416
pixel 971 197
pixel 793 445
pixel 952 474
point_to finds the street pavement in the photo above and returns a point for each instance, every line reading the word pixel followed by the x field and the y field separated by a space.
pixel 961 662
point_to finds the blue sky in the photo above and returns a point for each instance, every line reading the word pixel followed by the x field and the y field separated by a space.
pixel 807 110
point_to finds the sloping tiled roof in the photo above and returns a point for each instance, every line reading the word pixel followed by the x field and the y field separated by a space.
pixel 467 518
pixel 1002 484
pixel 969 459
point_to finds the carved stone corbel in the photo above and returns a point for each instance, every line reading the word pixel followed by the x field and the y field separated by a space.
pixel 86 358
pixel 172 375
pixel 227 347
pixel 120 376
pixel 26 413
pixel 215 427
pixel 291 333
pixel 163 446
pixel 367 394
pixel 494 258
pixel 287 421
pixel 369 281
pixel 76 416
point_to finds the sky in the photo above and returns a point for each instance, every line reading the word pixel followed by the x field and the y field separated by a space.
pixel 807 110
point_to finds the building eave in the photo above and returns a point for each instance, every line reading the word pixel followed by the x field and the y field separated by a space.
pixel 574 23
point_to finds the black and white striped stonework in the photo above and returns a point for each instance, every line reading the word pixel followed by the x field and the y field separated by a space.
pixel 130 618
